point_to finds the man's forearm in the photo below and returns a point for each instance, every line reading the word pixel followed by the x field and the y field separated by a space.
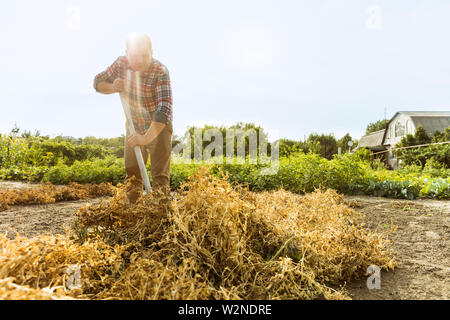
pixel 154 130
pixel 106 87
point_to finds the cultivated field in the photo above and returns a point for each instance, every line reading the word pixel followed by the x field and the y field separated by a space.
pixel 420 241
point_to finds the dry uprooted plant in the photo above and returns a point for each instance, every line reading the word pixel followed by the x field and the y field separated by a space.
pixel 212 240
pixel 48 193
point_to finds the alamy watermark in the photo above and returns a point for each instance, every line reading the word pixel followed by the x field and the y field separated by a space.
pixel 241 146
pixel 73 281
pixel 373 21
pixel 73 21
pixel 374 280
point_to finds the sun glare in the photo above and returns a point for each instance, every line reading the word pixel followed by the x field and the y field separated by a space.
pixel 250 48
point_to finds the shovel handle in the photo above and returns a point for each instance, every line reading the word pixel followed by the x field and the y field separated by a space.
pixel 137 149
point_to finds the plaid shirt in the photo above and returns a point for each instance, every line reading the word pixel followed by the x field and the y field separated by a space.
pixel 148 94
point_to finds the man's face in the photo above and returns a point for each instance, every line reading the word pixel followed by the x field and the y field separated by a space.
pixel 139 57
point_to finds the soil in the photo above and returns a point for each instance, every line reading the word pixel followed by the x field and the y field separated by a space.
pixel 34 220
pixel 421 246
pixel 421 242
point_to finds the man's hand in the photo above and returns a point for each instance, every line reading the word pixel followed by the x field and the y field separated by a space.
pixel 119 85
pixel 108 88
pixel 136 140
pixel 143 140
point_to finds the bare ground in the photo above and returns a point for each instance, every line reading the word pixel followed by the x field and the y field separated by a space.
pixel 421 242
pixel 34 220
pixel 421 246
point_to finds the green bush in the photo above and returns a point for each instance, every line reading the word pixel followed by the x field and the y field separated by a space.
pixel 90 171
pixel 440 154
pixel 13 151
pixel 32 174
pixel 420 156
pixel 39 151
pixel 67 152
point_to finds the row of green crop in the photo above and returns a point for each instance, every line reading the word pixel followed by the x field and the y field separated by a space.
pixel 300 173
pixel 36 151
pixel 303 173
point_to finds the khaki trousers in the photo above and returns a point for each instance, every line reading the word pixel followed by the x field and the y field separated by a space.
pixel 160 150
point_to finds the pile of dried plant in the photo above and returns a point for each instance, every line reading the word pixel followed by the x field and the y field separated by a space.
pixel 211 241
pixel 48 193
pixel 11 291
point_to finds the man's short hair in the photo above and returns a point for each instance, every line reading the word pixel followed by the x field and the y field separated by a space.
pixel 139 39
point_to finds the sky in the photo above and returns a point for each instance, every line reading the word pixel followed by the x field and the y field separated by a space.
pixel 294 67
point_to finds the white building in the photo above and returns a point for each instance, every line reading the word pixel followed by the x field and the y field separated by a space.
pixel 401 124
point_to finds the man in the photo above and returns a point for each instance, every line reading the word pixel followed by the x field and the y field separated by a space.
pixel 145 84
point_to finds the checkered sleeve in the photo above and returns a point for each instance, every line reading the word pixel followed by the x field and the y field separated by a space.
pixel 109 75
pixel 163 112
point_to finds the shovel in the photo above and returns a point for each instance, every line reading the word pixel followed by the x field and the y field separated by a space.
pixel 137 149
